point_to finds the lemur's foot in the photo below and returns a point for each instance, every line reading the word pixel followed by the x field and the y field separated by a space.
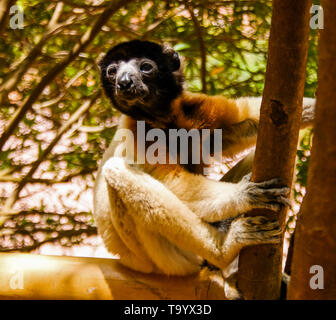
pixel 231 290
pixel 270 194
pixel 255 230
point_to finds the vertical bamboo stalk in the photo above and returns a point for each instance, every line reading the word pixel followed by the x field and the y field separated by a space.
pixel 259 275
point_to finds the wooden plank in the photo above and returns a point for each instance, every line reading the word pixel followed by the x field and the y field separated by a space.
pixel 29 276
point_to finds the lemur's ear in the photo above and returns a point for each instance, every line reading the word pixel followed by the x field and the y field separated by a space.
pixel 172 57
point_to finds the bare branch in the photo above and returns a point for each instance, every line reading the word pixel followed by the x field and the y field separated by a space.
pixel 48 181
pixel 259 275
pixel 52 102
pixel 90 231
pixel 202 47
pixel 86 39
pixel 4 12
pixel 20 69
pixel 57 13
pixel 75 4
pixel 67 125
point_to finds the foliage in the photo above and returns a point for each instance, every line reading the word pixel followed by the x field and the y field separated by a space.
pixel 64 123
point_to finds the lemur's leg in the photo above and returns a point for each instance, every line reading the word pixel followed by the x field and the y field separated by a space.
pixel 156 208
pixel 107 210
pixel 114 244
pixel 214 200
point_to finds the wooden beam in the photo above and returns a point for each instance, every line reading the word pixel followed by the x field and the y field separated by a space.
pixel 29 276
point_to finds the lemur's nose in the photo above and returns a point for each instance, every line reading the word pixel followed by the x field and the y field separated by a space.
pixel 125 82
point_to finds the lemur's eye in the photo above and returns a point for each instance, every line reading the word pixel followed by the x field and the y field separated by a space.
pixel 146 67
pixel 111 71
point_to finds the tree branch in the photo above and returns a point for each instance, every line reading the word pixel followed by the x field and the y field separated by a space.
pixel 90 231
pixel 314 255
pixel 4 12
pixel 67 178
pixel 259 275
pixel 66 126
pixel 20 69
pixel 86 39
pixel 202 48
pixel 102 4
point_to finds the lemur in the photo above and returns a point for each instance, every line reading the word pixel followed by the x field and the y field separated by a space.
pixel 167 218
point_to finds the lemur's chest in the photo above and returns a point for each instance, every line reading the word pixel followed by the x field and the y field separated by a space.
pixel 193 150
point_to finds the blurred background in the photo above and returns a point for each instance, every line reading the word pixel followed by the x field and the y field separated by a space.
pixel 55 122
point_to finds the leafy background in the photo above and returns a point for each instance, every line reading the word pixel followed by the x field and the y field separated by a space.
pixel 55 123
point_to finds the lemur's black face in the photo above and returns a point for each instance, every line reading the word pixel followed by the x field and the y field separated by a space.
pixel 141 78
pixel 133 81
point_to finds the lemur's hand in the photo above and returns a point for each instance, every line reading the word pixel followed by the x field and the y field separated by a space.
pixel 269 194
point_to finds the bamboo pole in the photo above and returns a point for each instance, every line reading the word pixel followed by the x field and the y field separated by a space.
pixel 29 276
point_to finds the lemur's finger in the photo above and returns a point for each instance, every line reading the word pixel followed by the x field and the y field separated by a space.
pixel 276 191
pixel 265 226
pixel 261 237
pixel 256 220
pixel 284 201
pixel 269 183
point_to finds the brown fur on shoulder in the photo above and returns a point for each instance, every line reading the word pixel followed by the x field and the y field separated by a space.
pixel 196 110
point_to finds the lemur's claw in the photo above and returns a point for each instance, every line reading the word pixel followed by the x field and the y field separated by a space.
pixel 270 194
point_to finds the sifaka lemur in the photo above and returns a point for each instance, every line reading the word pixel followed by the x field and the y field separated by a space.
pixel 167 217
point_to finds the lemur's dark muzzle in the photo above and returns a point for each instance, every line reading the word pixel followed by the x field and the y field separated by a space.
pixel 125 83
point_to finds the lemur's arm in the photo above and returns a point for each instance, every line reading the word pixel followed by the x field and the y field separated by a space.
pixel 193 110
pixel 239 118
